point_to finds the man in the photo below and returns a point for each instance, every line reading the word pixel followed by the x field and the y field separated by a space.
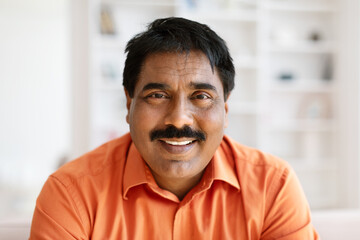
pixel 175 176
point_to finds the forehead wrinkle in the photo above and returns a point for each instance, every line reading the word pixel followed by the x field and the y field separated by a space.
pixel 194 74
pixel 183 67
pixel 193 60
pixel 185 61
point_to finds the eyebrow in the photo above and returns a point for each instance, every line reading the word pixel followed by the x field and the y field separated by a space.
pixel 160 86
pixel 203 86
pixel 163 86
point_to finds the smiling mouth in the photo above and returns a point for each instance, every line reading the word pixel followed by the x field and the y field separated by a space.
pixel 179 143
pixel 177 147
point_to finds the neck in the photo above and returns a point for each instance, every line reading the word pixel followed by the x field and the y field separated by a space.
pixel 179 186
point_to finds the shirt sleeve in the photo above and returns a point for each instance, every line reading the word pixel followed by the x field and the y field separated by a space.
pixel 56 215
pixel 288 215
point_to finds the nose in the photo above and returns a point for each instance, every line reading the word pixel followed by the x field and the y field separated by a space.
pixel 179 114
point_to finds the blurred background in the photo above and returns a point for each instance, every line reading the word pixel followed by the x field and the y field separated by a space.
pixel 296 95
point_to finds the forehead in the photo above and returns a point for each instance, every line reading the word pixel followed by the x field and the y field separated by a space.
pixel 178 68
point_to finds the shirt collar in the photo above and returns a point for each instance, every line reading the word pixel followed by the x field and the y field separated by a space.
pixel 220 168
pixel 224 166
pixel 136 171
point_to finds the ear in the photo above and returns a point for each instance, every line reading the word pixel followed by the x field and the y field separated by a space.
pixel 128 105
pixel 226 122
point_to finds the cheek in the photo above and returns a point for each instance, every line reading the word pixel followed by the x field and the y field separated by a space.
pixel 142 119
pixel 214 118
pixel 212 122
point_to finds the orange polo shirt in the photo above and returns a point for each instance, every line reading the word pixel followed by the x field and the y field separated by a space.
pixel 110 193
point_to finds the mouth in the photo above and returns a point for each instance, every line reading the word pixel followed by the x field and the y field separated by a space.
pixel 179 143
pixel 177 146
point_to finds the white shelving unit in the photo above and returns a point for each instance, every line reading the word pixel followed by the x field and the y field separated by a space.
pixel 298 123
pixel 285 54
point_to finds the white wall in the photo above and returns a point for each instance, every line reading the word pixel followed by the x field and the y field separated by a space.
pixel 348 101
pixel 34 98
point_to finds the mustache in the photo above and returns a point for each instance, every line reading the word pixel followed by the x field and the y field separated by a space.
pixel 173 132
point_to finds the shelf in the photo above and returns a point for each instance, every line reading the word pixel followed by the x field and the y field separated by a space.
pixel 289 7
pixel 304 125
pixel 109 87
pixel 107 42
pixel 140 3
pixel 302 47
pixel 249 108
pixel 222 15
pixel 245 62
pixel 252 3
pixel 302 86
pixel 313 165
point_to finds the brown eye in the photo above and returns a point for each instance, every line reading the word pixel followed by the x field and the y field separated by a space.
pixel 156 95
pixel 201 96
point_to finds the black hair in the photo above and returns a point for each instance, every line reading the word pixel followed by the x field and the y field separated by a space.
pixel 182 36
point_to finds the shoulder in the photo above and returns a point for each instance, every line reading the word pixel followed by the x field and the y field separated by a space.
pixel 269 186
pixel 70 197
pixel 259 174
pixel 251 157
pixel 96 162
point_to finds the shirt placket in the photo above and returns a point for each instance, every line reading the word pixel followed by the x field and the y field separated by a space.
pixel 181 218
pixel 179 232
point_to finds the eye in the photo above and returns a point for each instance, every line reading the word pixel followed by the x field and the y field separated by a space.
pixel 201 96
pixel 156 95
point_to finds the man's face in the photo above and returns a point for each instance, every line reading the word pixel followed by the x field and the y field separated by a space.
pixel 177 91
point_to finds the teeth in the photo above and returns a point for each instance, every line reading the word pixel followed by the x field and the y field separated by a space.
pixel 178 143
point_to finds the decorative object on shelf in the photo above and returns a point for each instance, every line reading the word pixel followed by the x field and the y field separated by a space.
pixel 328 69
pixel 213 6
pixel 191 4
pixel 315 36
pixel 315 106
pixel 315 109
pixel 107 25
pixel 286 76
pixel 109 72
